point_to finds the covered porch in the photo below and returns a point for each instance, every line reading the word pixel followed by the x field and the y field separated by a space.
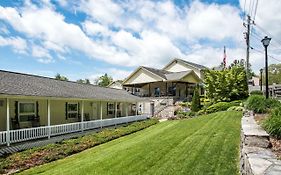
pixel 176 89
pixel 26 118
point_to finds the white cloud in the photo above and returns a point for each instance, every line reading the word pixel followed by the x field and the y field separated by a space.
pixel 42 54
pixel 133 33
pixel 18 44
pixel 92 28
pixel 104 11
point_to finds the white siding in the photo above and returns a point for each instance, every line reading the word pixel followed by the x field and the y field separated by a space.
pixel 179 67
pixel 142 77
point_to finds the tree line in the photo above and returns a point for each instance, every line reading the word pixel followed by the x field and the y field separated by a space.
pixel 103 80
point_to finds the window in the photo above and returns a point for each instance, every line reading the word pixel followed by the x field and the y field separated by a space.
pixel 72 110
pixel 27 111
pixel 110 108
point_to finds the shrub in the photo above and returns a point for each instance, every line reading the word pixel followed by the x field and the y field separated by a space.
pixel 272 103
pixel 195 104
pixel 273 123
pixel 236 103
pixel 201 112
pixel 256 92
pixel 257 103
pixel 220 106
pixel 235 108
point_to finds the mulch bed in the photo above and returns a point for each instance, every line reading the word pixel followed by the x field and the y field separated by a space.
pixel 260 117
pixel 276 146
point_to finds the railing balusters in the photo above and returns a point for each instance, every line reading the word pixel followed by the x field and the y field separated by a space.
pixel 42 132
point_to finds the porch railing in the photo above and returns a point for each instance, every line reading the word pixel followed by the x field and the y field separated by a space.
pixel 22 135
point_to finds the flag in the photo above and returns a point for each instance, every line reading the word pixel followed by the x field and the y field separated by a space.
pixel 224 57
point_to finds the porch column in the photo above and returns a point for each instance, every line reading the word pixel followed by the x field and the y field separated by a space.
pixel 136 108
pixel 185 89
pixel 49 117
pixel 82 116
pixel 166 93
pixel 127 106
pixel 115 114
pixel 8 122
pixel 101 114
pixel 149 93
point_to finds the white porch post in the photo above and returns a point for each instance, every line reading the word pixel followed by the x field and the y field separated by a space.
pixel 8 122
pixel 137 108
pixel 127 106
pixel 101 114
pixel 115 111
pixel 82 116
pixel 49 118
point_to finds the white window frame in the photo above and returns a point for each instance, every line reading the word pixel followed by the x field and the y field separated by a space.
pixel 25 114
pixel 72 112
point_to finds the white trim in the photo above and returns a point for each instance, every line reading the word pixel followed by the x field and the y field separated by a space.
pixel 49 117
pixel 8 121
pixel 82 115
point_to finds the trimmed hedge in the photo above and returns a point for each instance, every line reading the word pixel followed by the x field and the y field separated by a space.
pixel 273 123
pixel 41 155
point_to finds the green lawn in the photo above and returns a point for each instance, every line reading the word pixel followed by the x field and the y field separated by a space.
pixel 204 145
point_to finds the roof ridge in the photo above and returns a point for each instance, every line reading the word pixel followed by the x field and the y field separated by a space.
pixel 40 76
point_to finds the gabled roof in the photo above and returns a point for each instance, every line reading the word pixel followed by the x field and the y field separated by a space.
pixel 177 75
pixel 166 75
pixel 161 73
pixel 197 66
pixel 12 83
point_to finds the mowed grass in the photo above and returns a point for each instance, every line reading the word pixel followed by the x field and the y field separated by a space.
pixel 203 145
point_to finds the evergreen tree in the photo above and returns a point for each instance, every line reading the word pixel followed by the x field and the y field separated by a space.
pixel 195 104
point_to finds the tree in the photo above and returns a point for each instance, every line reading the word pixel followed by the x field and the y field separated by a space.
pixel 86 81
pixel 228 84
pixel 195 103
pixel 274 74
pixel 61 77
pixel 104 80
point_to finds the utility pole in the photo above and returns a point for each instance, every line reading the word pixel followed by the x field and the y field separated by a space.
pixel 248 46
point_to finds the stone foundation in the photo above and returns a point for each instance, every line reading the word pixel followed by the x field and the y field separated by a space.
pixel 256 157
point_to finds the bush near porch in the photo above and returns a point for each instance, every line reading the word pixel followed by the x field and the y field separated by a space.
pixel 38 156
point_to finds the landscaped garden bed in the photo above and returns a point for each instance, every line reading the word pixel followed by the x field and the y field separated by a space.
pixel 38 156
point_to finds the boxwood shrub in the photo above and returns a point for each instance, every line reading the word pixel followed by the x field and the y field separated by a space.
pixel 273 123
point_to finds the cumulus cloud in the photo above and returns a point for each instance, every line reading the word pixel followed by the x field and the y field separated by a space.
pixel 41 54
pixel 18 44
pixel 132 33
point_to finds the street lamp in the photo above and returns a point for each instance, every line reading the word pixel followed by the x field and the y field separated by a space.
pixel 265 41
pixel 261 79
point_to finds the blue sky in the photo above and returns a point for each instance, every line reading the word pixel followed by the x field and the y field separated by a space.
pixel 84 39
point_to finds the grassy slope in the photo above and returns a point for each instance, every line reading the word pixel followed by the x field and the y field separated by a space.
pixel 204 145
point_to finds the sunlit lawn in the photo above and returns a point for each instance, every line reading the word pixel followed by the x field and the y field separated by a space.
pixel 203 145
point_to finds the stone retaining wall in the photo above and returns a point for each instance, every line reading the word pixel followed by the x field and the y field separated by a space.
pixel 256 158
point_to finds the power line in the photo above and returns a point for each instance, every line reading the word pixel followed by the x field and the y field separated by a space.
pixel 270 56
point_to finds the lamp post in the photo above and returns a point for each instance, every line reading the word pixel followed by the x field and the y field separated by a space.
pixel 261 79
pixel 265 41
